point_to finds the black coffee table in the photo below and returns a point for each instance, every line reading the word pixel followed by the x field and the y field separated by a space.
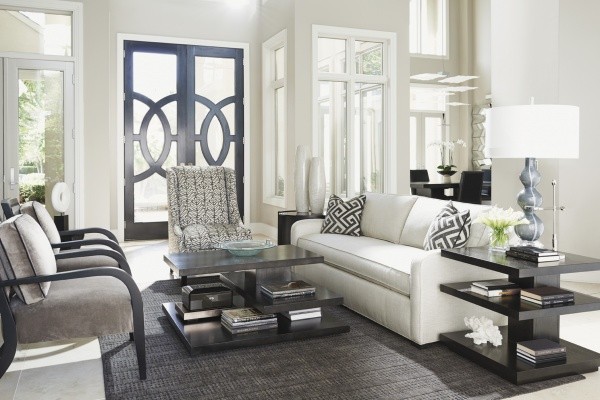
pixel 244 276
pixel 526 321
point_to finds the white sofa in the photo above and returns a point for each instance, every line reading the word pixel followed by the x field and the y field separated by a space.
pixel 386 275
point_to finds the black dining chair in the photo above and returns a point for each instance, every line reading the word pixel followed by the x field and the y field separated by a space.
pixel 486 191
pixel 418 175
pixel 469 190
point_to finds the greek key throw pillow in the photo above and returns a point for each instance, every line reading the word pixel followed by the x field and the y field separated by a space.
pixel 343 217
pixel 449 230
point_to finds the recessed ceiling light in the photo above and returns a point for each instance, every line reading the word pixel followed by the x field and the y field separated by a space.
pixel 458 79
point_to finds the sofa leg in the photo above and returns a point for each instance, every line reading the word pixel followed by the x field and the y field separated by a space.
pixel 131 338
pixel 9 335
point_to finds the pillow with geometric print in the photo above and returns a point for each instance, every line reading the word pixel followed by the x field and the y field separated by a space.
pixel 343 217
pixel 450 229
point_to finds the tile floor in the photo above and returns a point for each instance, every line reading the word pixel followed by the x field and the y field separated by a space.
pixel 73 370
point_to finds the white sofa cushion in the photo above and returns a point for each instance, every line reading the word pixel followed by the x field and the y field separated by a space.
pixel 384 215
pixel 386 264
pixel 424 212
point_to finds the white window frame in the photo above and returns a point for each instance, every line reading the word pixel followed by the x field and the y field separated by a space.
pixel 270 86
pixel 446 34
pixel 76 10
pixel 387 80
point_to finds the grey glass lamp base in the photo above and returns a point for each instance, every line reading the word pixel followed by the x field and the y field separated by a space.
pixel 530 199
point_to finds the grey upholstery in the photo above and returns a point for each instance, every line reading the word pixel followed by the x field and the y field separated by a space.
pixel 39 213
pixel 73 309
pixel 70 264
pixel 203 208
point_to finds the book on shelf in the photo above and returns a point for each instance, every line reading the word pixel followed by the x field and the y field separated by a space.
pixel 259 322
pixel 495 284
pixel 495 293
pixel 187 315
pixel 541 359
pixel 540 347
pixel 548 302
pixel 298 315
pixel 246 329
pixel 533 257
pixel 536 251
pixel 245 315
pixel 287 289
pixel 544 293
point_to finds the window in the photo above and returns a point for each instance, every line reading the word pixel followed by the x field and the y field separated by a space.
pixel 428 27
pixel 274 119
pixel 352 97
pixel 38 32
pixel 428 123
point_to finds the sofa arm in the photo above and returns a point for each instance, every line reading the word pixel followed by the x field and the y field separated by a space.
pixel 305 227
pixel 433 312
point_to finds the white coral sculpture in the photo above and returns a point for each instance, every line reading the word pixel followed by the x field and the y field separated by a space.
pixel 484 331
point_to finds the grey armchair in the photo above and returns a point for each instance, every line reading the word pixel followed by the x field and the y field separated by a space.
pixel 39 304
pixel 203 208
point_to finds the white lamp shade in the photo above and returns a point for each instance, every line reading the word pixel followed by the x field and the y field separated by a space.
pixel 538 131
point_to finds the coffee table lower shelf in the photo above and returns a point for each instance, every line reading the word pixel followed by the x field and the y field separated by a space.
pixel 209 336
pixel 502 360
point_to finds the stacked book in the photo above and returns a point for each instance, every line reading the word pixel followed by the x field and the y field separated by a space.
pixel 495 288
pixel 547 295
pixel 298 315
pixel 242 320
pixel 283 289
pixel 535 254
pixel 539 351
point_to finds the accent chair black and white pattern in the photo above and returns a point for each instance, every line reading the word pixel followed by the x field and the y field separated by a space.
pixel 449 230
pixel 343 217
pixel 203 208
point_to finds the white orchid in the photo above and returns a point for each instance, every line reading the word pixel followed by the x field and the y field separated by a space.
pixel 447 148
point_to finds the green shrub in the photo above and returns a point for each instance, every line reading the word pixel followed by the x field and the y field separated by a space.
pixel 27 169
pixel 30 192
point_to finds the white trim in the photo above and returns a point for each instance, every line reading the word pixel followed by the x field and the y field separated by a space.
pixel 269 87
pixel 387 79
pixel 76 58
pixel 121 37
pixel 263 229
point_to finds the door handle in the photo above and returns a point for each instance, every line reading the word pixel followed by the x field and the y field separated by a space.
pixel 12 178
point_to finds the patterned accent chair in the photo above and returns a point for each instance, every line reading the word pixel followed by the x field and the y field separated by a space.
pixel 203 208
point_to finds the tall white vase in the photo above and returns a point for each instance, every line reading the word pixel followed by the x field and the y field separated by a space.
pixel 316 186
pixel 302 167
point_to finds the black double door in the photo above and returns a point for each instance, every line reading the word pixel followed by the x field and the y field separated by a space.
pixel 183 105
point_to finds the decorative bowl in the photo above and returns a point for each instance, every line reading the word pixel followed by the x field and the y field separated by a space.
pixel 246 248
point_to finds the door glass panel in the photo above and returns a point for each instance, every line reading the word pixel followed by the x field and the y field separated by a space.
pixel 41 134
pixel 154 75
pixel 215 78
pixel 150 194
pixel 279 63
pixel 229 160
pixel 332 128
pixel 369 128
pixel 332 55
pixel 413 143
pixel 215 138
pixel 280 141
pixel 155 137
pixel 433 133
pixel 369 58
pixel 36 32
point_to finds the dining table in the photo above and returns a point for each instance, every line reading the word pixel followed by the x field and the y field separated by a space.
pixel 435 189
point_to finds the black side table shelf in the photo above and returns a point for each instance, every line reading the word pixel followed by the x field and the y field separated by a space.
pixel 525 321
pixel 285 220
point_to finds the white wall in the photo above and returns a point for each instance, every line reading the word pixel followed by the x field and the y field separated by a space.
pixel 545 48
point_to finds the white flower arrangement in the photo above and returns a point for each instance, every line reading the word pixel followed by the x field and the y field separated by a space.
pixel 446 149
pixel 499 220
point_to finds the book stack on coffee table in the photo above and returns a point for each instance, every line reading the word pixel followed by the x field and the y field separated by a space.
pixel 547 295
pixel 297 315
pixel 284 289
pixel 495 288
pixel 242 320
pixel 535 254
pixel 540 351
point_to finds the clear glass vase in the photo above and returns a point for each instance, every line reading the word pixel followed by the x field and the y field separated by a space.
pixel 499 239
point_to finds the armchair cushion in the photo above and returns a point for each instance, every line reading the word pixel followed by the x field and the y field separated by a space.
pixel 39 213
pixel 70 264
pixel 28 253
pixel 206 236
pixel 75 308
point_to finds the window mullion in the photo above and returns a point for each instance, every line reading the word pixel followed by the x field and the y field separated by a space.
pixel 351 161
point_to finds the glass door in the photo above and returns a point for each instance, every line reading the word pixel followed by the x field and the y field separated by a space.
pixel 183 105
pixel 39 139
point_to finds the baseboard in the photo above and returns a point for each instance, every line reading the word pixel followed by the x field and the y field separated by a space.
pixel 264 229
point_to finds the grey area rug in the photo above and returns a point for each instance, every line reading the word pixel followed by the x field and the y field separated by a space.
pixel 369 362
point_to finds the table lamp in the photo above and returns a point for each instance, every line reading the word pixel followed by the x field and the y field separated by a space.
pixel 531 132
